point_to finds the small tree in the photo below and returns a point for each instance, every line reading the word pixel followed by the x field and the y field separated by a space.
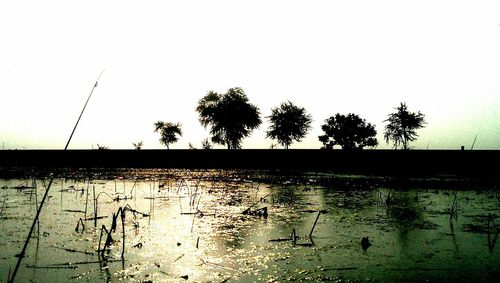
pixel 168 132
pixel 349 131
pixel 205 144
pixel 288 123
pixel 230 116
pixel 402 126
pixel 102 147
pixel 138 145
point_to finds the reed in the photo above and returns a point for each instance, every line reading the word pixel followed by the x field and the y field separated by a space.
pixel 247 211
pixel 95 206
pixel 453 210
pixel 314 225
pixel 492 242
pixel 80 221
pixel 107 243
pixel 122 214
pixel 87 199
pixel 133 187
pixel 25 246
pixel 3 204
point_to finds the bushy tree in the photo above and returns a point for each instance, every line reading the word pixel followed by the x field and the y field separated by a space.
pixel 402 126
pixel 288 123
pixel 230 116
pixel 349 131
pixel 169 132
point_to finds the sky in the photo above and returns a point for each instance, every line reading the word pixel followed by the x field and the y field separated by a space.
pixel 161 57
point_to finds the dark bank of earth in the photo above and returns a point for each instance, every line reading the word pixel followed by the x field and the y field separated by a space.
pixel 479 163
pixel 350 169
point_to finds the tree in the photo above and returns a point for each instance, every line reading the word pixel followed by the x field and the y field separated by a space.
pixel 205 144
pixel 230 116
pixel 288 123
pixel 349 131
pixel 402 127
pixel 138 145
pixel 168 132
pixel 102 147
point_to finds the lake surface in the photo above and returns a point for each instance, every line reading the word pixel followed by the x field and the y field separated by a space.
pixel 189 227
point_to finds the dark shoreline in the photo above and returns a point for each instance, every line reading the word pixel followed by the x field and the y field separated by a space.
pixel 397 163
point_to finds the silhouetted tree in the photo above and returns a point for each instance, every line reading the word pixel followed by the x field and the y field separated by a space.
pixel 350 132
pixel 138 145
pixel 168 132
pixel 102 147
pixel 205 144
pixel 402 127
pixel 288 123
pixel 230 116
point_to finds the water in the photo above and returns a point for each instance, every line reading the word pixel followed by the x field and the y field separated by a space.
pixel 195 231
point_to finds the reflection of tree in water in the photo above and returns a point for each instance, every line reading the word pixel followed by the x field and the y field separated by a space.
pixel 403 209
pixel 231 231
pixel 351 199
pixel 231 225
pixel 290 205
pixel 284 194
pixel 404 213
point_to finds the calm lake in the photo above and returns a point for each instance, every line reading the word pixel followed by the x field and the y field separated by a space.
pixel 190 227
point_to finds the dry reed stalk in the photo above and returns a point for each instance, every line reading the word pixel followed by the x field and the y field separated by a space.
pixel 314 225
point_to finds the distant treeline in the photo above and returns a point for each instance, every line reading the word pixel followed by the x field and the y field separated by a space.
pixel 230 117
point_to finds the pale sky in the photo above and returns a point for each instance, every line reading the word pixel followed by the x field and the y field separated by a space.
pixel 161 57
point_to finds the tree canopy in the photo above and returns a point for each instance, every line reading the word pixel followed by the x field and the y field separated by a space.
pixel 230 116
pixel 288 123
pixel 349 131
pixel 169 132
pixel 402 126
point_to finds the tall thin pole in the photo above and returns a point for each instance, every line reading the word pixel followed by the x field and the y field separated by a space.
pixel 473 143
pixel 84 106
pixel 23 251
